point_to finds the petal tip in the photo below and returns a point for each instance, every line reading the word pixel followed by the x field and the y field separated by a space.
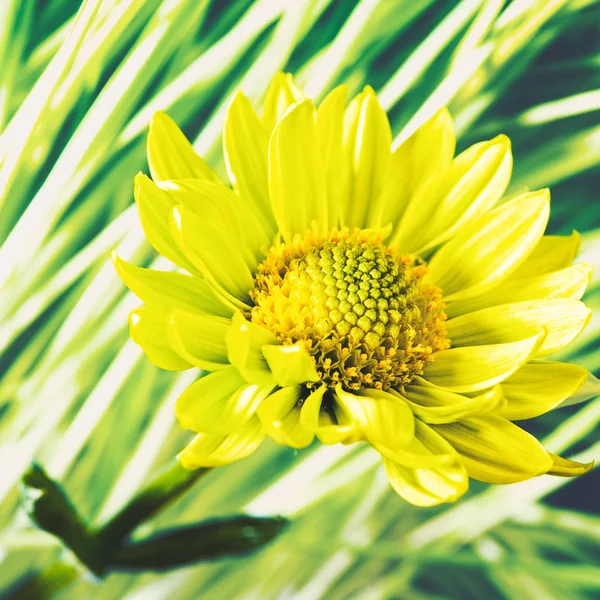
pixel 158 118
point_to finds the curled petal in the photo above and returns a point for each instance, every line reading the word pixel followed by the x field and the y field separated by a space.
pixel 473 184
pixel 330 426
pixel 199 339
pixel 244 341
pixel 219 402
pixel 148 329
pixel 385 419
pixel 290 365
pixel 217 449
pixel 428 484
pixel 280 415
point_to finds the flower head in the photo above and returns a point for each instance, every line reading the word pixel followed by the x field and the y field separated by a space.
pixel 350 292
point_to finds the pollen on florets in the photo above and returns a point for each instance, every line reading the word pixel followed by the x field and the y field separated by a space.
pixel 361 309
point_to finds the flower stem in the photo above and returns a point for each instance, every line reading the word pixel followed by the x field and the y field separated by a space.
pixel 210 540
pixel 50 508
pixel 159 493
pixel 109 547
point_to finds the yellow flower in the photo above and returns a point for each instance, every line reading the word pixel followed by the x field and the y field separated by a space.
pixel 348 292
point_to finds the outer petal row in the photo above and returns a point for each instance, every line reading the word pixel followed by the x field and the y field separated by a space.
pixel 169 289
pixel 472 185
pixel 216 449
pixel 177 340
pixel 569 282
pixel 495 450
pixel 221 402
pixel 563 320
pixel 170 155
pixel 488 251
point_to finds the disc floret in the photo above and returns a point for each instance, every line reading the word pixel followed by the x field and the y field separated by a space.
pixel 362 310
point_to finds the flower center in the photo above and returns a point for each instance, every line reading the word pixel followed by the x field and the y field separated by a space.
pixel 362 310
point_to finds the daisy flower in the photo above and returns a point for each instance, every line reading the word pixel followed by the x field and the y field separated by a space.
pixel 346 291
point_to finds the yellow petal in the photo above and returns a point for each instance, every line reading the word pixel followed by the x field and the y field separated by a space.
pixel 563 467
pixel 495 450
pixel 148 329
pixel 385 419
pixel 279 404
pixel 431 148
pixel 222 208
pixel 479 367
pixel 589 389
pixel 426 450
pixel 330 130
pixel 474 183
pixel 154 208
pixel 426 154
pixel 330 426
pixel 245 147
pixel 570 282
pixel 280 415
pixel 395 192
pixel 282 93
pixel 480 176
pixel 367 146
pixel 168 289
pixel 485 253
pixel 436 405
pixel 290 364
pixel 562 319
pixel 214 255
pixel 220 402
pixel 428 486
pixel 170 155
pixel 296 176
pixel 216 449
pixel 538 387
pixel 553 252
pixel 244 342
pixel 199 339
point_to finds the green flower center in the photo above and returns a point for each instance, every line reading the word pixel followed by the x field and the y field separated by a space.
pixel 362 310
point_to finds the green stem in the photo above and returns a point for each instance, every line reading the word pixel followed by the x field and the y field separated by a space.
pixel 210 540
pixel 109 547
pixel 159 493
pixel 51 509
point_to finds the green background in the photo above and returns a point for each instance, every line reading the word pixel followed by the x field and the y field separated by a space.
pixel 76 93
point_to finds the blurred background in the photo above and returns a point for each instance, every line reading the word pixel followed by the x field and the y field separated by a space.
pixel 78 83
